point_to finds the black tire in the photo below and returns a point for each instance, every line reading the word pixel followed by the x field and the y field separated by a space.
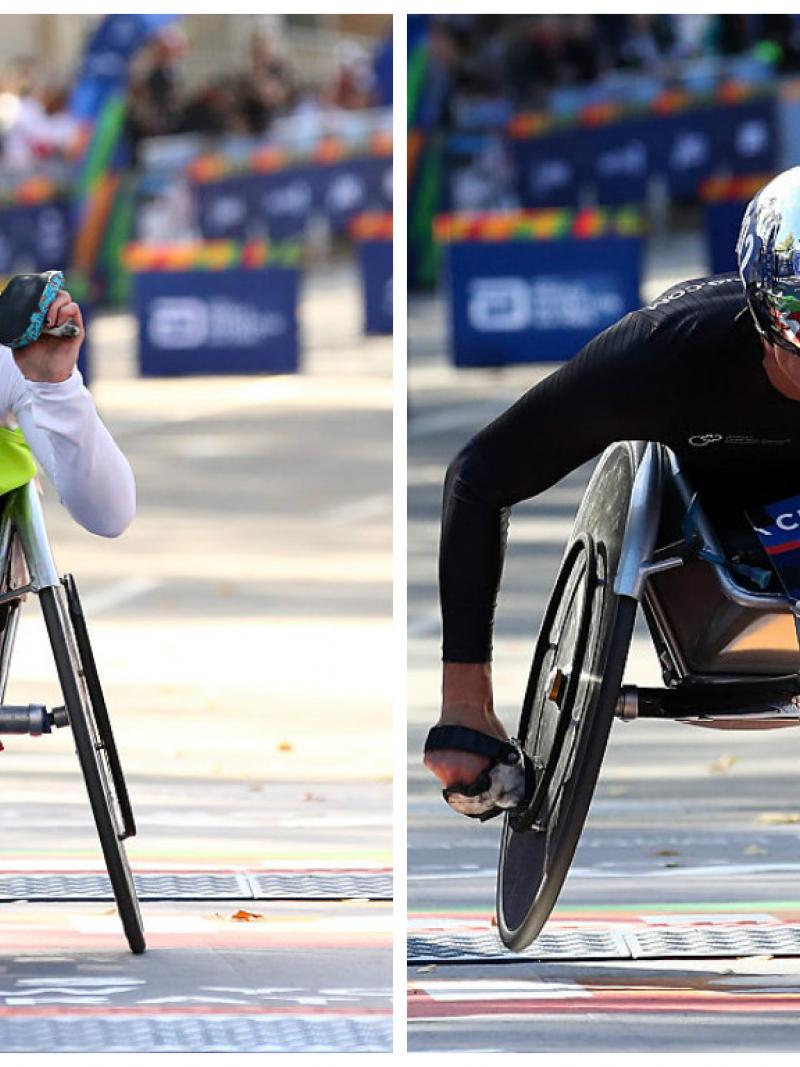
pixel 99 784
pixel 564 725
pixel 98 705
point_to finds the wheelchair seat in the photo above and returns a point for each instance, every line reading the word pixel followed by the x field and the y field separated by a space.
pixel 710 617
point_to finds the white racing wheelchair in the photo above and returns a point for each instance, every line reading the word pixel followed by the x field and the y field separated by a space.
pixel 27 567
pixel 641 537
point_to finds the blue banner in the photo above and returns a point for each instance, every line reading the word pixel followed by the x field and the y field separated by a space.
pixel 615 162
pixel 723 221
pixel 106 62
pixel 549 171
pixel 281 203
pixel 34 237
pixel 529 301
pixel 285 202
pixel 217 322
pixel 225 208
pixel 375 266
pixel 693 152
pixel 622 159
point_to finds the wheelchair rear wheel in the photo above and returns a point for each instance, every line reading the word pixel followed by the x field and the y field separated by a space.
pixel 569 703
pixel 98 760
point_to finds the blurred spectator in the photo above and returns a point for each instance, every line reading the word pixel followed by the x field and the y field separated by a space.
pixel 34 122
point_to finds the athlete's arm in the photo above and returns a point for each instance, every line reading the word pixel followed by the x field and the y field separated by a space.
pixel 71 444
pixel 43 390
pixel 612 390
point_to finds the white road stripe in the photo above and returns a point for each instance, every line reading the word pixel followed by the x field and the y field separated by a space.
pixel 111 596
pixel 450 419
pixel 424 625
pixel 369 507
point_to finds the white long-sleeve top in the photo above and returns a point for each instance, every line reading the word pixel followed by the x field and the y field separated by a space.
pixel 72 446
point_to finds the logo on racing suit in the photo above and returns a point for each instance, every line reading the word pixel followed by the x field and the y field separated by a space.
pixel 700 440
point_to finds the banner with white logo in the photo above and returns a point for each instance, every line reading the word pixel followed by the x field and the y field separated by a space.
pixel 530 301
pixel 280 204
pixel 217 322
pixel 615 161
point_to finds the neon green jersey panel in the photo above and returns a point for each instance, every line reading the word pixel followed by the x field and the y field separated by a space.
pixel 17 465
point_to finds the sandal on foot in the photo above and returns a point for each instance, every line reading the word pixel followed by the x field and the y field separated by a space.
pixel 504 786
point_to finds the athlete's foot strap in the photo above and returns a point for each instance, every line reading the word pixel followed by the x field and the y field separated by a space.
pixel 503 786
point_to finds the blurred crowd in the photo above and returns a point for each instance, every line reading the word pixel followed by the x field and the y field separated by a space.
pixel 245 102
pixel 35 123
pixel 523 58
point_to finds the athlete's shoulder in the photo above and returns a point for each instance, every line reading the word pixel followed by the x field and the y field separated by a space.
pixel 707 303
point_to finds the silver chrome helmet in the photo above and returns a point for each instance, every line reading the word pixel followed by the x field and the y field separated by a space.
pixel 768 252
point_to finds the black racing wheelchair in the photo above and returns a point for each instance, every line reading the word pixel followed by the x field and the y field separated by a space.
pixel 27 568
pixel 733 666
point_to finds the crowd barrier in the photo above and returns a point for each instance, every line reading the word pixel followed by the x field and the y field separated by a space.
pixel 537 285
pixel 373 237
pixel 611 155
pixel 277 194
pixel 216 308
pixel 724 202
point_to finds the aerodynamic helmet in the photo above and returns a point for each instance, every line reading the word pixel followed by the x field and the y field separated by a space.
pixel 768 253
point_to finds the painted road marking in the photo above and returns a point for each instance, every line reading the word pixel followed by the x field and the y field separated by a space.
pixel 117 593
pixel 490 989
pixel 356 511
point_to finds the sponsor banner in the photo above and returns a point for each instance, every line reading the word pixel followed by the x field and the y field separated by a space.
pixel 375 266
pixel 623 156
pixel 692 152
pixel 34 237
pixel 284 201
pixel 225 208
pixel 221 322
pixel 778 528
pixel 521 302
pixel 549 170
pixel 280 203
pixel 723 220
pixel 615 161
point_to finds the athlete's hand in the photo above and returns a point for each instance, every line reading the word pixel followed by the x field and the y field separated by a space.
pixel 52 359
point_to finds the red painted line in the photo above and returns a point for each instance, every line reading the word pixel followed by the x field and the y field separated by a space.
pixel 83 1011
pixel 426 1007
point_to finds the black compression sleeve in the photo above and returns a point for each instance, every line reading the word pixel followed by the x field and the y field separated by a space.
pixel 615 389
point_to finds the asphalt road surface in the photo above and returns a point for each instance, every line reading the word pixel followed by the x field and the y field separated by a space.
pixel 226 622
pixel 673 931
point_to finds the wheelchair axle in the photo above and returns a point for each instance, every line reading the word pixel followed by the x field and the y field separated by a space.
pixel 33 719
pixel 725 706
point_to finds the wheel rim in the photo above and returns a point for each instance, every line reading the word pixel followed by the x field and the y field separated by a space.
pixel 560 685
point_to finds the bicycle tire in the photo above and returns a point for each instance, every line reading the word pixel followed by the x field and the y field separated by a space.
pixel 116 860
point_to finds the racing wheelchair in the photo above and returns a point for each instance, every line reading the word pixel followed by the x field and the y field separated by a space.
pixel 27 568
pixel 641 537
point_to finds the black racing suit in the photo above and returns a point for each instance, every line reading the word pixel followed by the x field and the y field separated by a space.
pixel 685 370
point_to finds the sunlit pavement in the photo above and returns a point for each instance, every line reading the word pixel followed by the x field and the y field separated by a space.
pixel 691 842
pixel 241 627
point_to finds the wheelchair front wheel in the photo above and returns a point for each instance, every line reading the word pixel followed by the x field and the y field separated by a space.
pixel 569 704
pixel 92 757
